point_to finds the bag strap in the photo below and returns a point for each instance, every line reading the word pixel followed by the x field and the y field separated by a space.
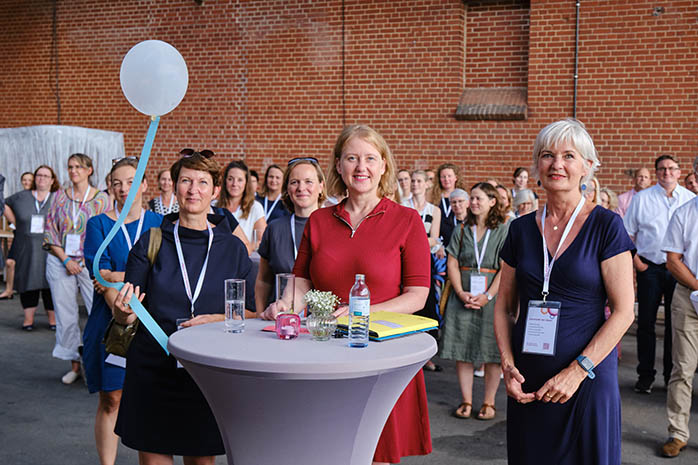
pixel 154 243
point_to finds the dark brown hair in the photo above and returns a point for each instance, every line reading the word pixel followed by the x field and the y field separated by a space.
pixel 197 162
pixel 55 185
pixel 265 189
pixel 247 200
pixel 496 216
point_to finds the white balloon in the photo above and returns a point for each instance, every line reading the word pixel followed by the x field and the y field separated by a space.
pixel 154 77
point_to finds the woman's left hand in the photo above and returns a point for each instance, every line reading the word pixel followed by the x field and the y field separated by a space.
pixel 477 302
pixel 561 387
pixel 441 253
pixel 342 310
pixel 203 319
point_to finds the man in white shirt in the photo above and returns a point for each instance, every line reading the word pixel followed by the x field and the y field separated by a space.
pixel 646 221
pixel 641 180
pixel 681 247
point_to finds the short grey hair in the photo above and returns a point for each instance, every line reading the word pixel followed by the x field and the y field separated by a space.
pixel 459 194
pixel 566 130
pixel 523 196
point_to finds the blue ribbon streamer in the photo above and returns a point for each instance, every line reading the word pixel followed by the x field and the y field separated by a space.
pixel 145 318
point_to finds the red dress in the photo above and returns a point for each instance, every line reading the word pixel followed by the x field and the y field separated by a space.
pixel 391 248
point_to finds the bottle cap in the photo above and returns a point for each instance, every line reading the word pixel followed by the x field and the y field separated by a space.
pixel 360 276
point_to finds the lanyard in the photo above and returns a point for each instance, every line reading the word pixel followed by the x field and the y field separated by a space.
pixel 548 267
pixel 447 208
pixel 183 267
pixel 423 213
pixel 74 217
pixel 169 208
pixel 125 232
pixel 480 256
pixel 293 236
pixel 267 212
pixel 36 202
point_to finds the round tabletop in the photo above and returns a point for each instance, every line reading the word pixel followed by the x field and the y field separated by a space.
pixel 264 354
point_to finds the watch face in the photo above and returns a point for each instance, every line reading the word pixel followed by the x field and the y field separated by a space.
pixel 586 364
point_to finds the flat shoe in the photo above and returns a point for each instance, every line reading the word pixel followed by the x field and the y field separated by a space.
pixel 70 377
pixel 52 327
pixel 672 448
pixel 28 327
pixel 433 367
pixel 458 413
pixel 482 414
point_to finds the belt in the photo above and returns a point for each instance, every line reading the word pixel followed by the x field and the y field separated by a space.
pixel 482 270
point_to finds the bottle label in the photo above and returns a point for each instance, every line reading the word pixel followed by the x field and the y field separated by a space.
pixel 360 307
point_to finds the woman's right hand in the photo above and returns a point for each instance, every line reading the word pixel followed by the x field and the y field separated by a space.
pixel 122 310
pixel 73 267
pixel 513 380
pixel 465 297
pixel 273 309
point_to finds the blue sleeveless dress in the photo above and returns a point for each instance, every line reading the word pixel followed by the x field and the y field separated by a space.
pixel 587 428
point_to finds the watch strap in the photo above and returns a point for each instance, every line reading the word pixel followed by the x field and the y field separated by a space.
pixel 587 365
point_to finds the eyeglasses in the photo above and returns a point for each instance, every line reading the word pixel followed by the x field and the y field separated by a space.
pixel 664 170
pixel 114 161
pixel 187 153
pixel 293 161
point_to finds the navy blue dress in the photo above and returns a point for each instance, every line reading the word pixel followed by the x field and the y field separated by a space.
pixel 585 429
pixel 103 376
pixel 279 210
pixel 162 409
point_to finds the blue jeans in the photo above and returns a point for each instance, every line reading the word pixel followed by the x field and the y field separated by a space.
pixel 652 284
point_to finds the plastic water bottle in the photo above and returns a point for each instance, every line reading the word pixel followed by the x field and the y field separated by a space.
pixel 359 310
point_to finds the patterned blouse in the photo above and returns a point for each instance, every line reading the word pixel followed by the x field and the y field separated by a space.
pixel 59 222
pixel 158 207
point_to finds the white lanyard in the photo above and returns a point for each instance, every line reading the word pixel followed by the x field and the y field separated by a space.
pixel 268 212
pixel 293 236
pixel 183 267
pixel 36 202
pixel 423 213
pixel 125 231
pixel 447 209
pixel 480 256
pixel 169 208
pixel 74 217
pixel 548 267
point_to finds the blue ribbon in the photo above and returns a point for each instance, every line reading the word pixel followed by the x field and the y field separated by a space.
pixel 145 318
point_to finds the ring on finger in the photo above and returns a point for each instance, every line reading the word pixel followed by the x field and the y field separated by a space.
pixel 548 396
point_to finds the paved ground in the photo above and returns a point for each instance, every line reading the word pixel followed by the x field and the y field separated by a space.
pixel 44 422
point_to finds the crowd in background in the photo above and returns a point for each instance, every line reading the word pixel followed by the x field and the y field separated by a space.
pixel 471 257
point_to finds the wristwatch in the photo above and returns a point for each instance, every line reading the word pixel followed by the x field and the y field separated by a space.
pixel 489 296
pixel 587 365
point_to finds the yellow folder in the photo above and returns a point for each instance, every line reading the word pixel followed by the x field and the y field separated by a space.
pixel 388 325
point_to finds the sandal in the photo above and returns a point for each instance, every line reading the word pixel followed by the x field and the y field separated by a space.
pixel 460 411
pixel 482 414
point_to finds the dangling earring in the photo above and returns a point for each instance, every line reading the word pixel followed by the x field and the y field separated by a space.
pixel 539 183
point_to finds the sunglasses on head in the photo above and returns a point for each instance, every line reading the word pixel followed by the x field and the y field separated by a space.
pixel 293 161
pixel 186 153
pixel 114 161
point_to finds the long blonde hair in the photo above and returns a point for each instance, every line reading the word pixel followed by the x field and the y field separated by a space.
pixel 437 190
pixel 387 184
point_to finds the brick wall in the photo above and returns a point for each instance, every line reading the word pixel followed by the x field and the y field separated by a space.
pixel 266 76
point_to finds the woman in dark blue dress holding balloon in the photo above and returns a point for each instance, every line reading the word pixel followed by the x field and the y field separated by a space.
pixel 558 351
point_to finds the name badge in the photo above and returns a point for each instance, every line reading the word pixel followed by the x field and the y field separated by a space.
pixel 72 245
pixel 37 224
pixel 540 335
pixel 115 360
pixel 478 284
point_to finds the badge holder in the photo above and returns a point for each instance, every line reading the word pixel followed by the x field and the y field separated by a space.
pixel 540 333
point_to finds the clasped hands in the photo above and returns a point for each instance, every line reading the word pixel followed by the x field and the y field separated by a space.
pixel 475 302
pixel 558 389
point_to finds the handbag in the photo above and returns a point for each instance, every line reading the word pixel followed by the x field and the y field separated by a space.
pixel 447 288
pixel 118 337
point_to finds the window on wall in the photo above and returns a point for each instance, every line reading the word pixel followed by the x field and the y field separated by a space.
pixel 496 60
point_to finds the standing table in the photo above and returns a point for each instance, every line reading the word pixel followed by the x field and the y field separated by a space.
pixel 298 401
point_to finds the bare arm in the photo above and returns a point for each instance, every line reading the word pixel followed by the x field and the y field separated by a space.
pixel 505 313
pixel 9 214
pixel 71 267
pixel 618 280
pixel 302 286
pixel 263 285
pixel 435 230
pixel 637 262
pixel 680 271
pixel 411 300
pixel 240 234
pixel 259 226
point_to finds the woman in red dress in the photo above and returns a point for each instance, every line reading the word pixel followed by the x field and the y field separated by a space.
pixel 370 234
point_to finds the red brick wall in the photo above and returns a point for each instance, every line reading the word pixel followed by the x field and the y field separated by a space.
pixel 266 76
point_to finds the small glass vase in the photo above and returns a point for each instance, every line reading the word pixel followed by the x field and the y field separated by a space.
pixel 288 325
pixel 321 326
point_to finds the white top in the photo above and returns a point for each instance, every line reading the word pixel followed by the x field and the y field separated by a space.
pixel 682 234
pixel 648 217
pixel 262 354
pixel 427 213
pixel 247 224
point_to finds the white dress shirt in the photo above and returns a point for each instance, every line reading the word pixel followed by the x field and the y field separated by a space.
pixel 682 235
pixel 648 217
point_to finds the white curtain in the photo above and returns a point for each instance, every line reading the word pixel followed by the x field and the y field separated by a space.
pixel 24 149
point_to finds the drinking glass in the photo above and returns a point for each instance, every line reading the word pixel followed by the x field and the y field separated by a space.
pixel 234 306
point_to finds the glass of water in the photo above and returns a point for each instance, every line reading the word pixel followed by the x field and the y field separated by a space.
pixel 234 305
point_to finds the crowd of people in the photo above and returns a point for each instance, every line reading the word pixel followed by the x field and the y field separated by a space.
pixel 480 260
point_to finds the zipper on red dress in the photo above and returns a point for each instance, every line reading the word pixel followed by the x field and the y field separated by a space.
pixel 357 226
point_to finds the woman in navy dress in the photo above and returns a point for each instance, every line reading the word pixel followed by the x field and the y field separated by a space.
pixel 163 412
pixel 107 378
pixel 564 407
